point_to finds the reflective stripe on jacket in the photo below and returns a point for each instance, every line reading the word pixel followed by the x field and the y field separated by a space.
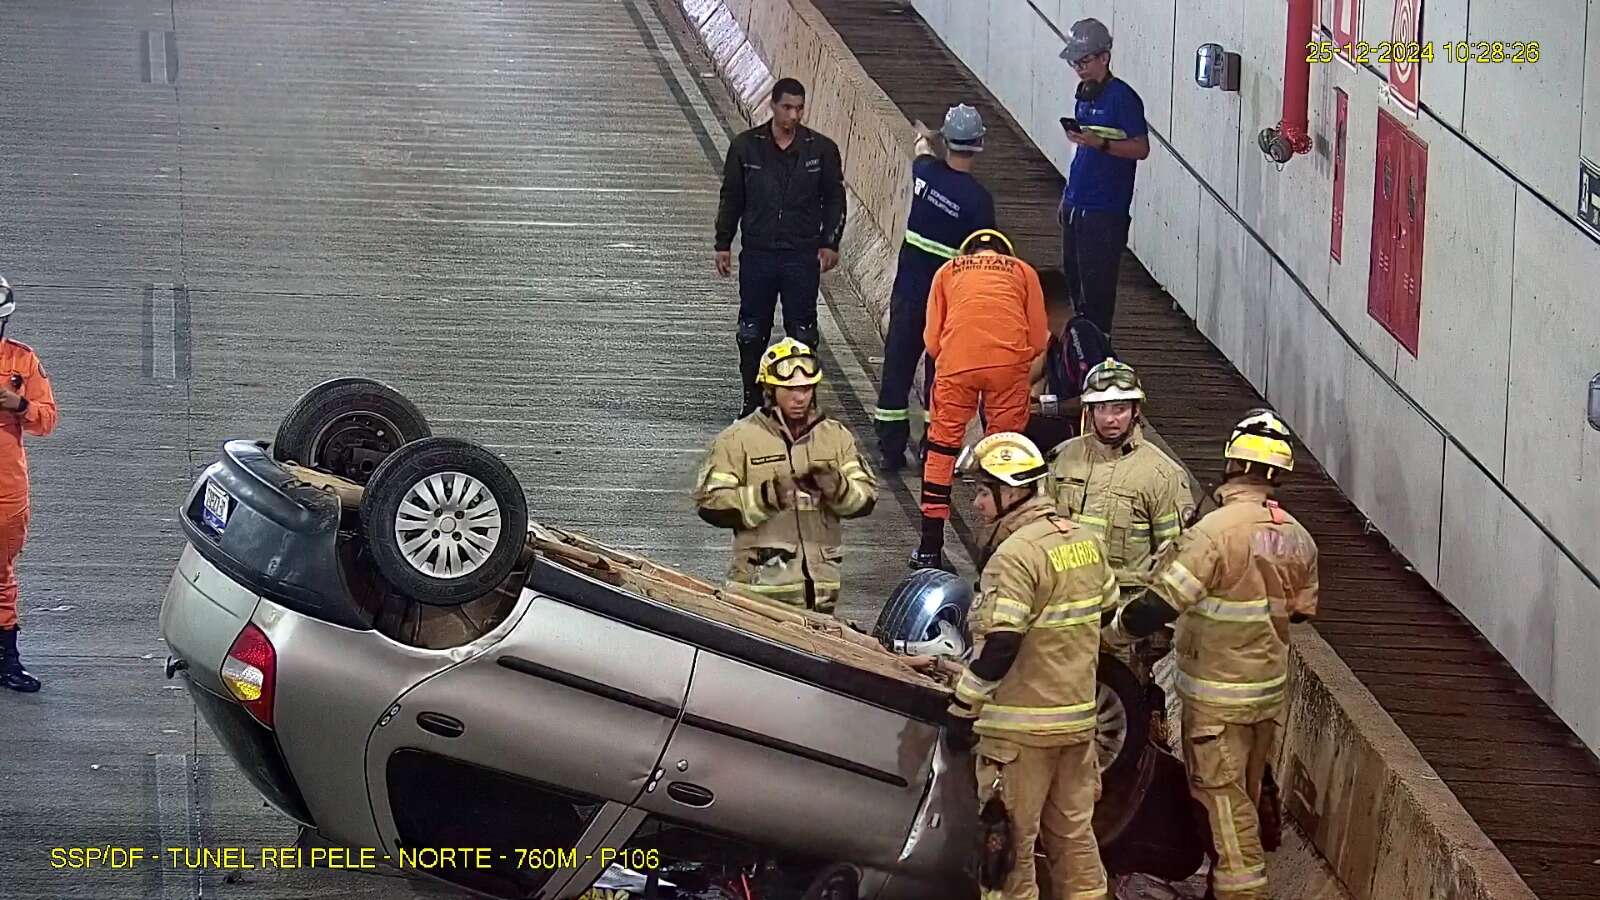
pixel 1235 578
pixel 1135 497
pixel 1048 579
pixel 777 551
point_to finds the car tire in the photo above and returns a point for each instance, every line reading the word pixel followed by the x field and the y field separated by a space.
pixel 423 484
pixel 347 427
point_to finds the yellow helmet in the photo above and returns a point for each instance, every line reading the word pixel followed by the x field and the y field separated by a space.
pixel 1111 380
pixel 789 363
pixel 1261 437
pixel 987 239
pixel 1005 456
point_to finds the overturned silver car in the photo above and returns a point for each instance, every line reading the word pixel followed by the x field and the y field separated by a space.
pixel 398 659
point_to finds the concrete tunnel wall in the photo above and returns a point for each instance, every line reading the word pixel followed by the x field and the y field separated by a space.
pixel 1510 309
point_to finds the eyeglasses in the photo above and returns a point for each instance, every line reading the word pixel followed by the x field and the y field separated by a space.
pixel 1081 64
pixel 806 366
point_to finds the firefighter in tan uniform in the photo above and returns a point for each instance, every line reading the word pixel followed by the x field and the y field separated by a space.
pixel 1029 693
pixel 1235 581
pixel 1113 481
pixel 782 478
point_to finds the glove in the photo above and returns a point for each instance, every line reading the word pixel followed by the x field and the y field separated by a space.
pixel 958 734
pixel 829 480
pixel 779 491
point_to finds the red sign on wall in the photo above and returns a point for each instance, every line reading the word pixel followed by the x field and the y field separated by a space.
pixel 1404 65
pixel 1346 28
pixel 1341 117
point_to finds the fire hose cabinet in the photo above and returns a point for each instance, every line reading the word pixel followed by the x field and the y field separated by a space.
pixel 1399 212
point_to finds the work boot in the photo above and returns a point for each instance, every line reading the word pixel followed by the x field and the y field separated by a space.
pixel 12 675
pixel 749 368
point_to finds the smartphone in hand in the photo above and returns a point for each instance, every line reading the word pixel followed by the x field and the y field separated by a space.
pixel 1070 124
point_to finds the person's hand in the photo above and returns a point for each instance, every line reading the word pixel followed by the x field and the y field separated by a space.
pixel 10 400
pixel 828 258
pixel 780 491
pixel 923 131
pixel 958 734
pixel 1084 138
pixel 724 262
pixel 828 479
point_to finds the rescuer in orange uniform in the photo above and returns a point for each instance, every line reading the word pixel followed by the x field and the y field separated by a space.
pixel 26 404
pixel 986 325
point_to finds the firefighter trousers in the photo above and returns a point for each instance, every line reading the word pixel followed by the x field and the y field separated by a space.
pixel 13 534
pixel 1226 763
pixel 901 351
pixel 1003 391
pixel 1049 793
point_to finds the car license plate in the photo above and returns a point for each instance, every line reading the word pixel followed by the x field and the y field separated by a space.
pixel 215 511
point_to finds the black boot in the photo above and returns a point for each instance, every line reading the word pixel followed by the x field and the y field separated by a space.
pixel 892 440
pixel 930 552
pixel 12 674
pixel 749 367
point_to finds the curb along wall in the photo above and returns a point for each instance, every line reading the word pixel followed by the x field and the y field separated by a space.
pixel 755 42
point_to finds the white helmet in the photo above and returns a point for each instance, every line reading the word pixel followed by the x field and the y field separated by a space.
pixel 8 300
pixel 1110 381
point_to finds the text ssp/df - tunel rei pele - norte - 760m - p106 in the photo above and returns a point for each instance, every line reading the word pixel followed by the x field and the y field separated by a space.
pixel 397 658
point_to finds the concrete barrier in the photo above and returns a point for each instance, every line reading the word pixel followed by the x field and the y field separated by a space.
pixel 1372 805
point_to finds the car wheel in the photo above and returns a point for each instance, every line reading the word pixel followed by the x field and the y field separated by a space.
pixel 445 519
pixel 347 427
pixel 927 616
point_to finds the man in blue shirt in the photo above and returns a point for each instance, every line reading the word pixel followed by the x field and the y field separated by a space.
pixel 947 205
pixel 1111 137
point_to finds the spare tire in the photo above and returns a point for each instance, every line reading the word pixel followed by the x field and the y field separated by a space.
pixel 445 520
pixel 347 427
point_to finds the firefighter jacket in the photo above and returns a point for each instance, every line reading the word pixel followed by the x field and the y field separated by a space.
pixel 1047 580
pixel 1235 578
pixel 1135 497
pixel 985 310
pixel 789 199
pixel 23 375
pixel 783 554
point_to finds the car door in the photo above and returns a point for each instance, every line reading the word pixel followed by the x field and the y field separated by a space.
pixel 537 744
pixel 801 767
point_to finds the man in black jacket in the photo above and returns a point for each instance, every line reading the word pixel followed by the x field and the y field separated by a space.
pixel 784 185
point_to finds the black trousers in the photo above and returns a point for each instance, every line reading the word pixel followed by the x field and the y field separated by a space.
pixel 1091 253
pixel 901 350
pixel 767 277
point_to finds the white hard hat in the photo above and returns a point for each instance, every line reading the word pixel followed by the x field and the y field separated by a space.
pixel 8 300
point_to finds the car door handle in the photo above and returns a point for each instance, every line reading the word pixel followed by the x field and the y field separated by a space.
pixel 690 794
pixel 440 724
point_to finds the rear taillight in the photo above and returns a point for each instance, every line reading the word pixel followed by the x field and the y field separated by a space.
pixel 249 671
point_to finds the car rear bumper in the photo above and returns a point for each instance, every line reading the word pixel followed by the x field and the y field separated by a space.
pixel 254 750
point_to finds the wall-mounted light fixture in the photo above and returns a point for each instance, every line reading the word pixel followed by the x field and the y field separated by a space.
pixel 1215 67
pixel 1594 403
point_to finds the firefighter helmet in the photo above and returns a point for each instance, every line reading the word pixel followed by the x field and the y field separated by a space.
pixel 1006 457
pixel 987 239
pixel 1111 380
pixel 8 300
pixel 790 364
pixel 1261 437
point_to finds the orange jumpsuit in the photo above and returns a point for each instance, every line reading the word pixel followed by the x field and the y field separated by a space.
pixel 18 362
pixel 986 325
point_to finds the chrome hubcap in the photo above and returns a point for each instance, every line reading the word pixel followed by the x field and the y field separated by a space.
pixel 447 525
